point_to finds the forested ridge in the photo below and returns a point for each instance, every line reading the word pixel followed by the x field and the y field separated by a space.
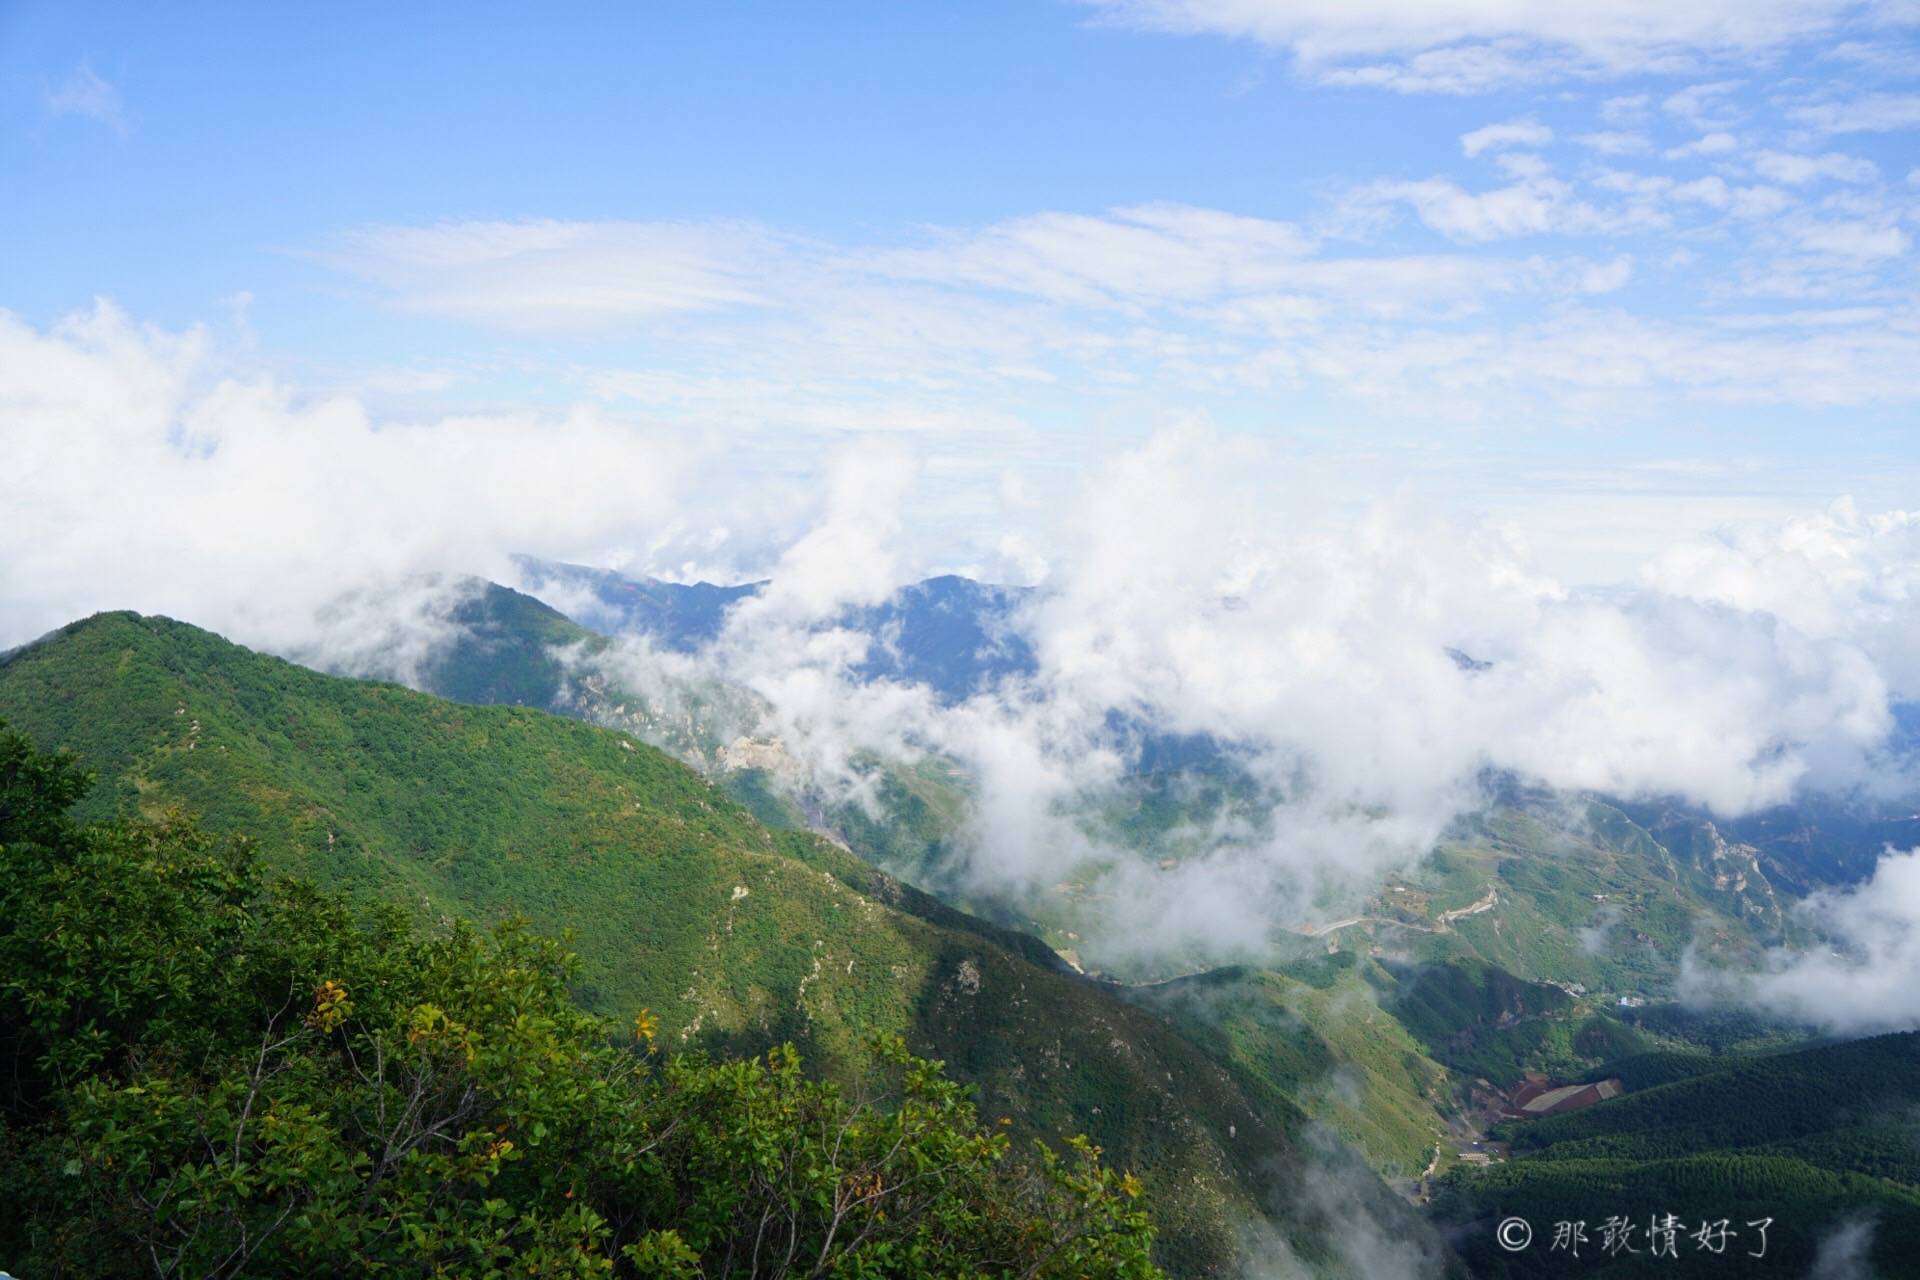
pixel 1806 1141
pixel 736 937
pixel 208 1073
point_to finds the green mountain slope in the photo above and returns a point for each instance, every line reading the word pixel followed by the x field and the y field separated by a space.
pixel 1546 886
pixel 1812 1139
pixel 1320 1036
pixel 678 900
pixel 1387 1054
pixel 1554 887
pixel 1570 890
pixel 501 648
pixel 174 1102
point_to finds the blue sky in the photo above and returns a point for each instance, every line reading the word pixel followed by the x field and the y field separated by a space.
pixel 1613 272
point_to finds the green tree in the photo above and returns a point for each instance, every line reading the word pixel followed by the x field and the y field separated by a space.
pixel 208 1075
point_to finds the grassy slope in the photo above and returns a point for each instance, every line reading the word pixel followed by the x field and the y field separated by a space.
pixel 1381 1053
pixel 1810 1138
pixel 1322 1039
pixel 482 811
pixel 1559 870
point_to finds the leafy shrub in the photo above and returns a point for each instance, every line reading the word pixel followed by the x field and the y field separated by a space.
pixel 205 1075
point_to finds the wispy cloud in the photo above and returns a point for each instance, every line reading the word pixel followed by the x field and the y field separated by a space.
pixel 1614 142
pixel 1633 255
pixel 1510 133
pixel 1798 170
pixel 1462 46
pixel 85 94
pixel 1711 144
pixel 1868 113
pixel 1861 981
pixel 1706 107
pixel 544 273
pixel 1186 301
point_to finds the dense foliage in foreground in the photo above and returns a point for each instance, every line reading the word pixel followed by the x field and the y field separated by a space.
pixel 202 1074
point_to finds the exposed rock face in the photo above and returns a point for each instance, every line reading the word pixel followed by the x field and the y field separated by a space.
pixel 1732 868
pixel 768 754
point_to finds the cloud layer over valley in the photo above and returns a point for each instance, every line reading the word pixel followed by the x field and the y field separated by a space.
pixel 1201 592
pixel 1201 587
pixel 1381 401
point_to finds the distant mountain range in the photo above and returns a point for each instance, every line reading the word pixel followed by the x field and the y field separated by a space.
pixel 1612 904
pixel 960 637
pixel 953 634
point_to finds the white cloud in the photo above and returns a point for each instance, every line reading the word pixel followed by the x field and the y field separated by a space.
pixel 1862 981
pixel 1853 240
pixel 1712 144
pixel 1148 252
pixel 1511 133
pixel 140 475
pixel 1758 201
pixel 1892 57
pixel 1648 192
pixel 1626 108
pixel 83 93
pixel 1613 142
pixel 1465 69
pixel 1797 170
pixel 1611 352
pixel 1846 1251
pixel 1839 572
pixel 1469 46
pixel 1205 583
pixel 1703 106
pixel 540 274
pixel 1711 191
pixel 957 328
pixel 1531 207
pixel 1868 113
pixel 1607 277
pixel 848 557
pixel 1254 608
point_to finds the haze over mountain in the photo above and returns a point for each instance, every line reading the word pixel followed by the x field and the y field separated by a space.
pixel 1276 581
pixel 1828 835
pixel 735 935
pixel 956 636
pixel 1740 673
